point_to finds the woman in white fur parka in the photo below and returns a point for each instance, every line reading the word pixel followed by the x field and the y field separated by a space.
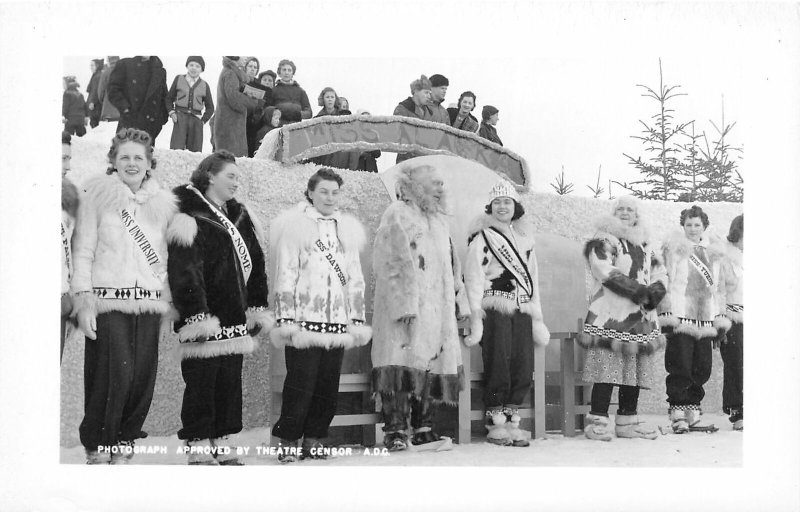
pixel 502 282
pixel 120 293
pixel 621 332
pixel 692 316
pixel 319 307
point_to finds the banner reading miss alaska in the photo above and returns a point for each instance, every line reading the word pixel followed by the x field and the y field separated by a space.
pixel 320 136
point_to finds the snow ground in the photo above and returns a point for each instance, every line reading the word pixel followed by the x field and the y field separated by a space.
pixel 722 449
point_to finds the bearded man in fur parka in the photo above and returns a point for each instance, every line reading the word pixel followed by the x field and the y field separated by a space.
pixel 621 331
pixel 415 353
pixel 692 315
pixel 502 280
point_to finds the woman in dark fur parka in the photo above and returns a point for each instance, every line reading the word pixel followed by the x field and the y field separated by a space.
pixel 218 280
pixel 621 333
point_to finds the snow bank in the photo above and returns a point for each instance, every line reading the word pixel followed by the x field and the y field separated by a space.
pixel 269 187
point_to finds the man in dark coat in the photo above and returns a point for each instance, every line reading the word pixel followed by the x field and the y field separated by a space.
pixel 415 106
pixel 138 88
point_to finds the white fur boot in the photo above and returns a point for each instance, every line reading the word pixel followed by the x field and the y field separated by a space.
pixel 630 426
pixel 201 453
pixel 678 419
pixel 517 436
pixel 498 433
pixel 597 428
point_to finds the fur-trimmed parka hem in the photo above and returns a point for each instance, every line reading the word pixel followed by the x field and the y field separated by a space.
pixel 292 335
pixel 388 380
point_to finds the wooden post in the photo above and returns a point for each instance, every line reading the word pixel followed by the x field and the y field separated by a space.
pixel 568 386
pixel 464 434
pixel 537 393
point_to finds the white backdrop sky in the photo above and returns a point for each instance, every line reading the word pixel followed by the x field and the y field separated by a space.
pixel 563 76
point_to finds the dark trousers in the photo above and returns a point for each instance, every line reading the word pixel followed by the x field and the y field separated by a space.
pixel 75 129
pixel 187 133
pixel 732 352
pixel 395 409
pixel 212 400
pixel 601 399
pixel 119 375
pixel 310 392
pixel 507 358
pixel 688 363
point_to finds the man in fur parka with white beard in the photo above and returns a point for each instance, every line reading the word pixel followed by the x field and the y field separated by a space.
pixel 621 332
pixel 692 315
pixel 416 356
pixel 319 305
pixel 502 280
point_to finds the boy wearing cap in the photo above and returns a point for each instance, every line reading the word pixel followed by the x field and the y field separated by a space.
pixel 415 106
pixel 487 130
pixel 186 99
pixel 436 112
pixel 502 282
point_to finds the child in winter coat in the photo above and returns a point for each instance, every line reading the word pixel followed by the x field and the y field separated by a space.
pixel 732 348
pixel 502 282
pixel 692 316
pixel 621 332
pixel 190 106
pixel 74 114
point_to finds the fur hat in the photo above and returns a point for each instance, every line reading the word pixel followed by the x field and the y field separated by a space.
pixel 198 59
pixel 439 81
pixel 503 189
pixel 488 111
pixel 420 83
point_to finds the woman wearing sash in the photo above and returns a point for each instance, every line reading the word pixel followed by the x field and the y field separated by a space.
pixel 502 282
pixel 120 292
pixel 217 274
pixel 621 333
pixel 319 306
pixel 692 317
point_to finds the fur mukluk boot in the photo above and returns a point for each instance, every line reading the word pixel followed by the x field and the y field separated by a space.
pixel 225 455
pixel 517 436
pixel 288 451
pixel 395 441
pixel 694 417
pixel 737 419
pixel 597 428
pixel 313 448
pixel 95 457
pixel 496 426
pixel 201 453
pixel 678 418
pixel 631 427
pixel 122 453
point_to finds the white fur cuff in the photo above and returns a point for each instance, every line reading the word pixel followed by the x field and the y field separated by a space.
pixel 476 332
pixel 282 335
pixel 205 328
pixel 85 301
pixel 259 317
pixel 722 323
pixel 362 334
pixel 541 335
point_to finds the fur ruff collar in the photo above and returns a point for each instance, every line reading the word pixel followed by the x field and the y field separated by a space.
pixel 638 234
pixel 109 193
pixel 522 226
pixel 677 243
pixel 69 197
pixel 298 226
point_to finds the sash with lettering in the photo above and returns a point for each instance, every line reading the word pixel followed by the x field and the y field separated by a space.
pixel 141 241
pixel 507 255
pixel 67 252
pixel 701 267
pixel 331 259
pixel 239 246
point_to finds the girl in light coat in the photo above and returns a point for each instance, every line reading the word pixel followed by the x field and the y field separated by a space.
pixel 319 306
pixel 502 282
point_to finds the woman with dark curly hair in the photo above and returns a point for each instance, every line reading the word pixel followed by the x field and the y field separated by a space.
pixel 218 279
pixel 692 316
pixel 120 292
pixel 621 332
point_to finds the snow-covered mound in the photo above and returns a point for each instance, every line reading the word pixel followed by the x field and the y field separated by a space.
pixel 270 187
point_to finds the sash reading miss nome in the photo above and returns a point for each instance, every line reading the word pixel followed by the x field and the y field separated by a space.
pixel 240 248
pixel 507 255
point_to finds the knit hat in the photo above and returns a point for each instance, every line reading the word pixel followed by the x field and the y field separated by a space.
pixel 420 83
pixel 439 81
pixel 488 111
pixel 503 189
pixel 198 59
